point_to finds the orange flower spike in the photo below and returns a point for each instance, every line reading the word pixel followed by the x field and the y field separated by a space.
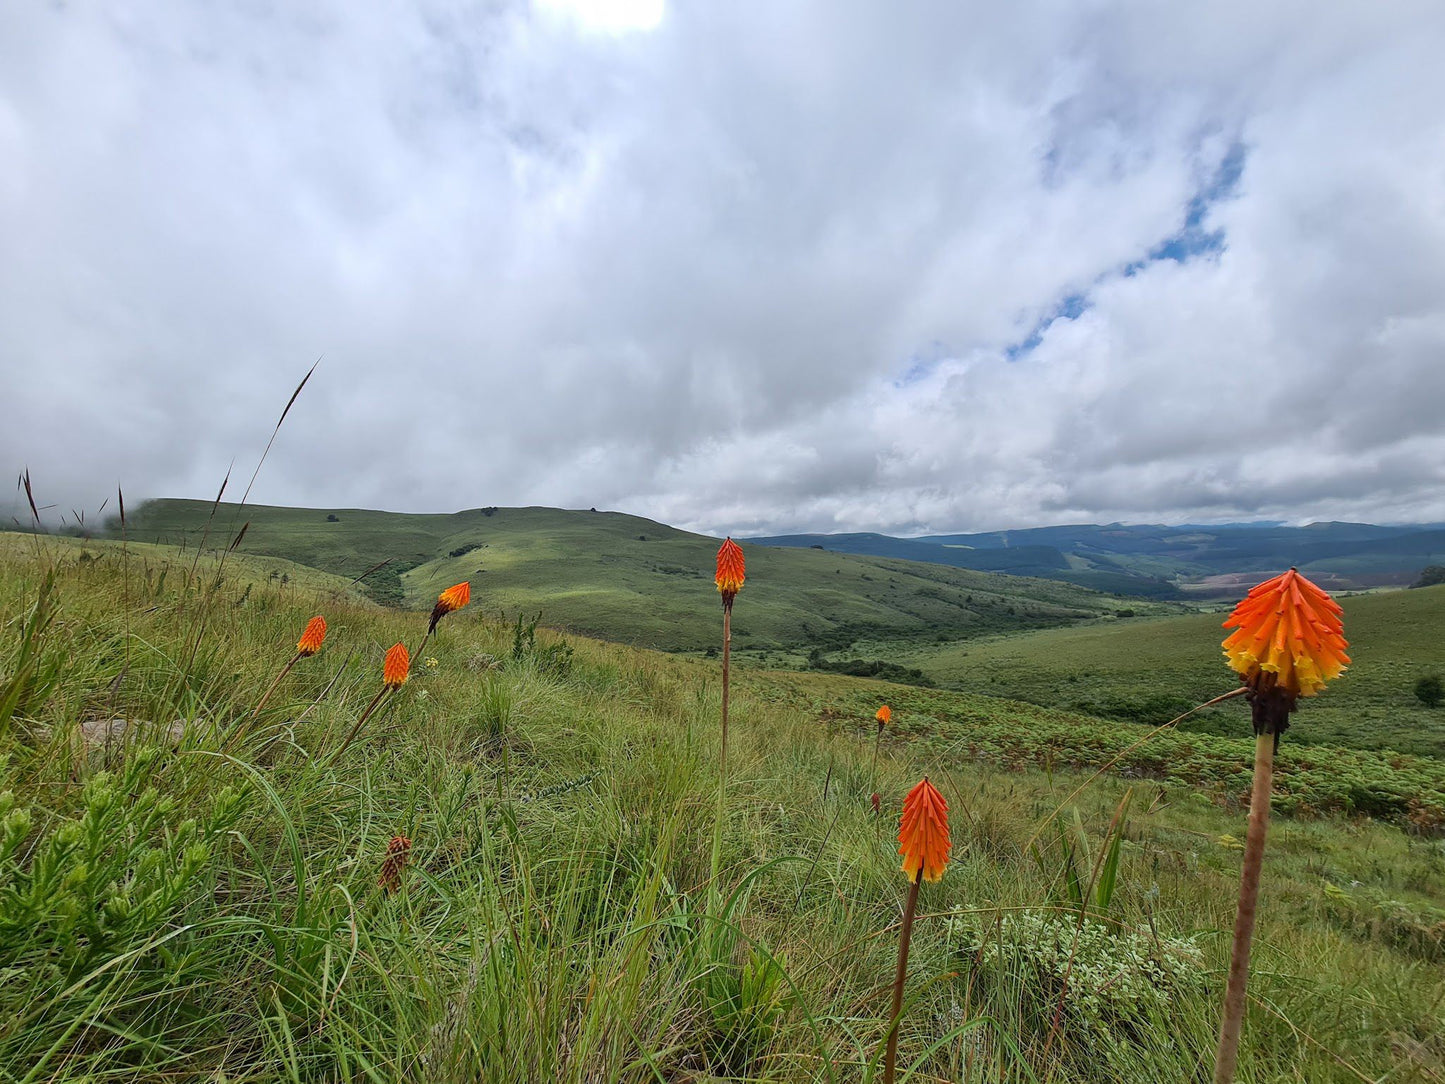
pixel 923 833
pixel 884 716
pixel 730 571
pixel 1288 627
pixel 453 598
pixel 312 639
pixel 394 670
pixel 397 853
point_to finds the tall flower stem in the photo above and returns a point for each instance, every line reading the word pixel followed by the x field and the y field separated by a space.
pixel 873 772
pixel 275 682
pixel 356 727
pixel 890 1056
pixel 1270 711
pixel 722 782
pixel 727 652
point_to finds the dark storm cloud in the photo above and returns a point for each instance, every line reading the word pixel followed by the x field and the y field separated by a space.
pixel 757 267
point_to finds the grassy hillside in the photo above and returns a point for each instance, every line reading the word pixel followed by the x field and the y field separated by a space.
pixel 1152 669
pixel 633 580
pixel 208 907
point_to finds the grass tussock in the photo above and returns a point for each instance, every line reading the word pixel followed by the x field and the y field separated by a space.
pixel 190 894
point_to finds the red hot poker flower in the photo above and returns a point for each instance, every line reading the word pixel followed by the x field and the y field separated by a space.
pixel 394 670
pixel 1289 628
pixel 453 598
pixel 730 571
pixel 397 853
pixel 923 833
pixel 312 639
pixel 884 716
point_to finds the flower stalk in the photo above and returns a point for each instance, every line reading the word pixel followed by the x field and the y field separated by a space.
pixel 731 572
pixel 890 1054
pixel 394 672
pixel 310 643
pixel 924 844
pixel 1288 642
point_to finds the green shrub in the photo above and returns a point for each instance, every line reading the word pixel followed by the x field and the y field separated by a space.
pixel 1429 691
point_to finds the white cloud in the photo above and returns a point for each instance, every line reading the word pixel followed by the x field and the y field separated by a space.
pixel 742 267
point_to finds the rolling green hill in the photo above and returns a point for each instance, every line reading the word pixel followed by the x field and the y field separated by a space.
pixel 1149 670
pixel 630 579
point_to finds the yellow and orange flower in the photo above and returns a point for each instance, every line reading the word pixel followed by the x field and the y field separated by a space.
pixel 730 568
pixel 397 853
pixel 884 716
pixel 923 833
pixel 1291 629
pixel 394 670
pixel 453 598
pixel 312 639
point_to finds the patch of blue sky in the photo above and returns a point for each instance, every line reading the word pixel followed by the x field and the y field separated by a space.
pixel 1190 241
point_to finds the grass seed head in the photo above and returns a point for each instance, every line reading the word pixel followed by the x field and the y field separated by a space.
pixel 397 853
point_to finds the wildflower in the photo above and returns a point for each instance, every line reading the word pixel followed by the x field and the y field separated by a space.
pixel 431 662
pixel 394 669
pixel 396 666
pixel 453 598
pixel 877 800
pixel 884 716
pixel 729 580
pixel 730 569
pixel 1289 640
pixel 1289 635
pixel 923 833
pixel 312 639
pixel 397 853
pixel 923 842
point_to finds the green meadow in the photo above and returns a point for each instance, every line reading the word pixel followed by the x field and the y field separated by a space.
pixel 196 895
pixel 1149 671
pixel 628 579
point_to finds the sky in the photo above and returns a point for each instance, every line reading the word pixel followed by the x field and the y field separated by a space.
pixel 741 267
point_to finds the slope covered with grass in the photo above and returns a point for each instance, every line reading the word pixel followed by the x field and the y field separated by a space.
pixel 630 579
pixel 207 907
pixel 1150 670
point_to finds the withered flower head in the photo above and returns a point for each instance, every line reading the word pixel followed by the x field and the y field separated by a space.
pixel 314 636
pixel 730 576
pixel 1289 635
pixel 453 598
pixel 923 833
pixel 394 670
pixel 397 853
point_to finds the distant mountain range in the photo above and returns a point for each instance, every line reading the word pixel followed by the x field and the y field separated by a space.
pixel 1156 561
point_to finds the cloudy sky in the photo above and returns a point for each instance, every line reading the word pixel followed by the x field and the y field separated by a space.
pixel 737 266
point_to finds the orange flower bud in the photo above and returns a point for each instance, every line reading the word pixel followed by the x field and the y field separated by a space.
pixel 730 575
pixel 314 636
pixel 1287 627
pixel 453 598
pixel 394 670
pixel 923 833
